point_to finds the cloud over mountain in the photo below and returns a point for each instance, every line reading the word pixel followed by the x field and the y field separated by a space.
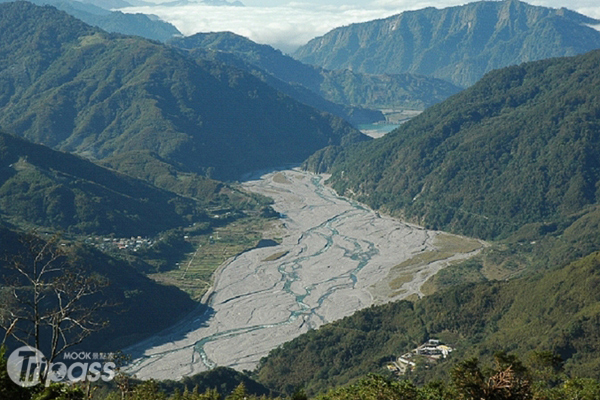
pixel 284 27
pixel 292 24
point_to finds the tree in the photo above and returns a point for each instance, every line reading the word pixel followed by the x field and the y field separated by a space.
pixel 49 301
pixel 148 390
pixel 509 380
pixel 239 393
pixel 469 380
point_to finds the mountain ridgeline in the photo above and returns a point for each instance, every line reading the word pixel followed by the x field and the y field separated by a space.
pixel 342 87
pixel 40 187
pixel 76 88
pixel 458 44
pixel 356 115
pixel 521 146
pixel 114 21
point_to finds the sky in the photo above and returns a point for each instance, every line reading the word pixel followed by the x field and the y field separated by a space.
pixel 286 25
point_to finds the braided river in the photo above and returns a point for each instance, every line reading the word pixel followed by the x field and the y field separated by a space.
pixel 336 256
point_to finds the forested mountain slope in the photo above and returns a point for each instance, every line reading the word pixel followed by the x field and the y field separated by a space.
pixel 79 89
pixel 343 87
pixel 521 146
pixel 40 187
pixel 557 312
pixel 459 44
pixel 114 21
pixel 355 115
pixel 136 306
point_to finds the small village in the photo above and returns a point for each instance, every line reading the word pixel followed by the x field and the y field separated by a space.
pixel 109 243
pixel 430 352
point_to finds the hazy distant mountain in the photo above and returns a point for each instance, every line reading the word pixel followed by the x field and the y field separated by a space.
pixel 147 26
pixel 207 2
pixel 110 4
pixel 341 87
pixel 90 12
pixel 354 114
pixel 520 146
pixel 75 88
pixel 458 44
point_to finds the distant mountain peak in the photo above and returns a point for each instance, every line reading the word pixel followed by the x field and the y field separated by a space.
pixel 108 4
pixel 459 44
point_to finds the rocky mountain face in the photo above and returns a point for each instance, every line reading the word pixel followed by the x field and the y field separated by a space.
pixel 458 44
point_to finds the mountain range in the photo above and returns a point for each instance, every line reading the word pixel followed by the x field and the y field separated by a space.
pixel 458 44
pixel 100 14
pixel 343 87
pixel 76 88
pixel 521 146
pixel 356 115
pixel 515 159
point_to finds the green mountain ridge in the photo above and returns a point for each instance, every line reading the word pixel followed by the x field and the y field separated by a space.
pixel 40 187
pixel 355 115
pixel 75 88
pixel 558 311
pixel 142 25
pixel 342 87
pixel 138 306
pixel 458 44
pixel 521 146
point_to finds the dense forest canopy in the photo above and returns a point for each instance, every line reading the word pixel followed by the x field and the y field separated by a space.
pixel 76 88
pixel 521 146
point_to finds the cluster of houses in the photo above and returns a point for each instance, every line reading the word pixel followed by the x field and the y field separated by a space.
pixel 132 243
pixel 431 352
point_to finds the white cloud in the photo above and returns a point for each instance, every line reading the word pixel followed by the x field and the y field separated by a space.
pixel 284 27
pixel 415 5
pixel 291 25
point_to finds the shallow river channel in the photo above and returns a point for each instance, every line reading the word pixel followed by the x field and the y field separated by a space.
pixel 336 257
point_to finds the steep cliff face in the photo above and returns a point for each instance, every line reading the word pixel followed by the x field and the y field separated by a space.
pixel 458 44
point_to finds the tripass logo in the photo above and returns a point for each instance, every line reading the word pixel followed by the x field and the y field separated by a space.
pixel 27 367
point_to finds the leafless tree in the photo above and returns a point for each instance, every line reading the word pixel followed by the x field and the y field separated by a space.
pixel 48 301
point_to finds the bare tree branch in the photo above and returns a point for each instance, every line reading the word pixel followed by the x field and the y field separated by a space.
pixel 49 298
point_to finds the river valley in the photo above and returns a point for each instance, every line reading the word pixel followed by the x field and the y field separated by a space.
pixel 336 256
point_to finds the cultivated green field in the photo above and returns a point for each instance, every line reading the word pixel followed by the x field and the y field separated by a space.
pixel 194 272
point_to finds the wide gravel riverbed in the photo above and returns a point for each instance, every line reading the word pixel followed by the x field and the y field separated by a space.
pixel 336 257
